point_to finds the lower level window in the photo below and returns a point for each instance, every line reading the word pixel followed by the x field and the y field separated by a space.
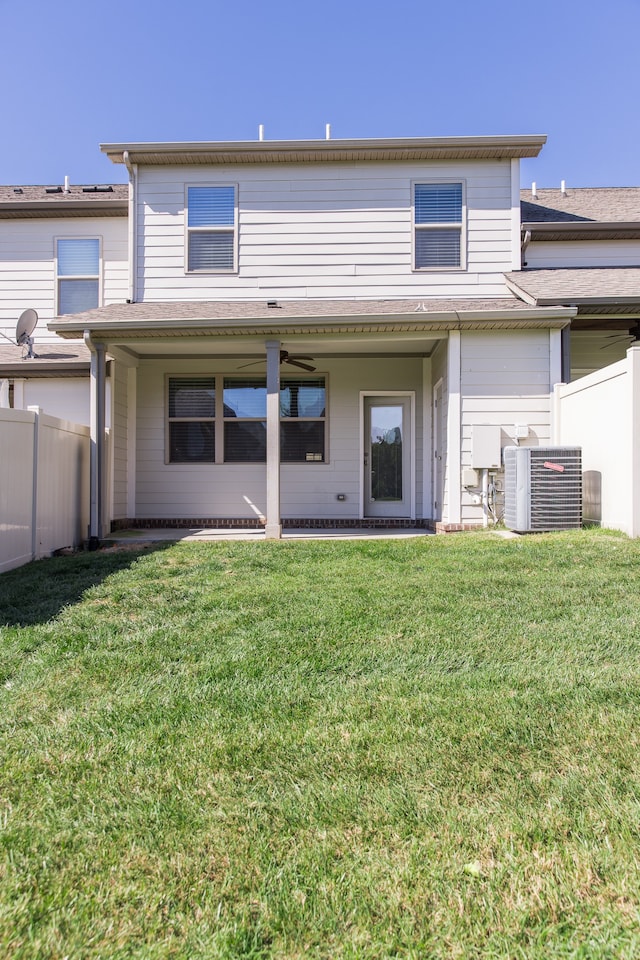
pixel 240 421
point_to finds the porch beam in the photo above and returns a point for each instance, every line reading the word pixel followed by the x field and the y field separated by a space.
pixel 273 528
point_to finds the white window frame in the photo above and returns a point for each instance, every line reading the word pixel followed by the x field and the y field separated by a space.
pixel 219 419
pixel 457 225
pixel 221 228
pixel 92 276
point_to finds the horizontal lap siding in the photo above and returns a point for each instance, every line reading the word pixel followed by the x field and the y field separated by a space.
pixel 583 253
pixel 27 266
pixel 238 490
pixel 337 231
pixel 505 379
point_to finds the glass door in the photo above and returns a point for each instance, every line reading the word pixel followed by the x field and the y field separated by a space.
pixel 387 457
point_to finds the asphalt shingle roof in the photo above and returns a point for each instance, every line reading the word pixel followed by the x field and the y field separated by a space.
pixel 570 286
pixel 581 204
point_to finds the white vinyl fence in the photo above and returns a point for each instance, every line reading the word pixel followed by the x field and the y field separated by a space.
pixel 601 414
pixel 44 485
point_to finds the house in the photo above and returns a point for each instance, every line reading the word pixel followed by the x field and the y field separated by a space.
pixel 62 249
pixel 340 331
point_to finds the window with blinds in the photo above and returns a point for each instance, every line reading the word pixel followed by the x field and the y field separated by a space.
pixel 438 213
pixel 191 419
pixel 194 420
pixel 211 229
pixel 77 275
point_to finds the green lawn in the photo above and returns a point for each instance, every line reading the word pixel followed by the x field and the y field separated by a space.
pixel 368 749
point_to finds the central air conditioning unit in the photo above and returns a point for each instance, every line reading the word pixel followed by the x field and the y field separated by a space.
pixel 542 488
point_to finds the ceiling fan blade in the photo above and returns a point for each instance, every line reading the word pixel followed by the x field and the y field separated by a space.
pixel 253 363
pixel 299 356
pixel 303 366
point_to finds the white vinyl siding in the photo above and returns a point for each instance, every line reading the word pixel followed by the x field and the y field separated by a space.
pixel 211 229
pixel 583 253
pixel 438 219
pixel 28 271
pixel 77 274
pixel 337 231
pixel 505 379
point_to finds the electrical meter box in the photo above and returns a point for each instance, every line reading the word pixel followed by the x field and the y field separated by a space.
pixel 486 451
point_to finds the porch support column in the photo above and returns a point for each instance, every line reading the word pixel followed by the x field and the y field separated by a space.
pixel 273 528
pixel 454 429
pixel 97 427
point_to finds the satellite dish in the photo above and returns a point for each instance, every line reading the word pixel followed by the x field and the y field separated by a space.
pixel 25 327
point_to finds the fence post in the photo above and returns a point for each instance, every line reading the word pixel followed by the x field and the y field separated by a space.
pixel 633 360
pixel 36 411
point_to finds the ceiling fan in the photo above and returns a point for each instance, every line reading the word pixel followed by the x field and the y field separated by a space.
pixel 632 336
pixel 295 360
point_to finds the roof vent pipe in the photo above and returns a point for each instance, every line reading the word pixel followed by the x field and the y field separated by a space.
pixel 327 131
pixel 261 132
pixel 534 191
pixel 66 185
pixel 563 187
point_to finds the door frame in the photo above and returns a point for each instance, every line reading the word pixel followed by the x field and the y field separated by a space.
pixel 404 394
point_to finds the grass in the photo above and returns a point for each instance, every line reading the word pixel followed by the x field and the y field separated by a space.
pixel 371 749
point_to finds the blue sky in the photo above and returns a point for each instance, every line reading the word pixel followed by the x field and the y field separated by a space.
pixel 74 75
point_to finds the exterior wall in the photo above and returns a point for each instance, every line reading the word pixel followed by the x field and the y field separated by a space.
pixel 327 230
pixel 601 414
pixel 505 379
pixel 238 490
pixel 44 486
pixel 66 398
pixel 120 440
pixel 62 397
pixel 583 253
pixel 27 266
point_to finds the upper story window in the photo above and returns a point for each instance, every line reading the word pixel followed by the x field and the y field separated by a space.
pixel 439 226
pixel 211 229
pixel 77 275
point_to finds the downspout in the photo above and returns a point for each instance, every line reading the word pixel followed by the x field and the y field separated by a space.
pixel 97 428
pixel 133 252
pixel 526 240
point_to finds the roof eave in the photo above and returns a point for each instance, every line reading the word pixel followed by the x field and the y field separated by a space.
pixel 452 319
pixel 279 151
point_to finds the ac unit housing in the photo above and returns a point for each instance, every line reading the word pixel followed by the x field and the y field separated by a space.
pixel 542 488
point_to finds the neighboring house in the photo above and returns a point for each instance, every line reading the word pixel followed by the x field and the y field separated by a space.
pixel 340 331
pixel 62 249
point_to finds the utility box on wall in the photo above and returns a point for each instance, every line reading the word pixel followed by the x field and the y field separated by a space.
pixel 486 451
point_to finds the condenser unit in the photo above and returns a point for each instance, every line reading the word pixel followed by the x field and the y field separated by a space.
pixel 542 488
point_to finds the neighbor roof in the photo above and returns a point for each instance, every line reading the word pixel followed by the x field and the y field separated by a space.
pixel 37 202
pixel 594 213
pixel 313 151
pixel 617 288
pixel 51 360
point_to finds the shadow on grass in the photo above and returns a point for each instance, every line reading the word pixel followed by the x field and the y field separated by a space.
pixel 37 592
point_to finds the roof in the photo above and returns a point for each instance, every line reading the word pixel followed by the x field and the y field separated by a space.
pixel 246 318
pixel 51 360
pixel 615 287
pixel 315 151
pixel 37 202
pixel 580 213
